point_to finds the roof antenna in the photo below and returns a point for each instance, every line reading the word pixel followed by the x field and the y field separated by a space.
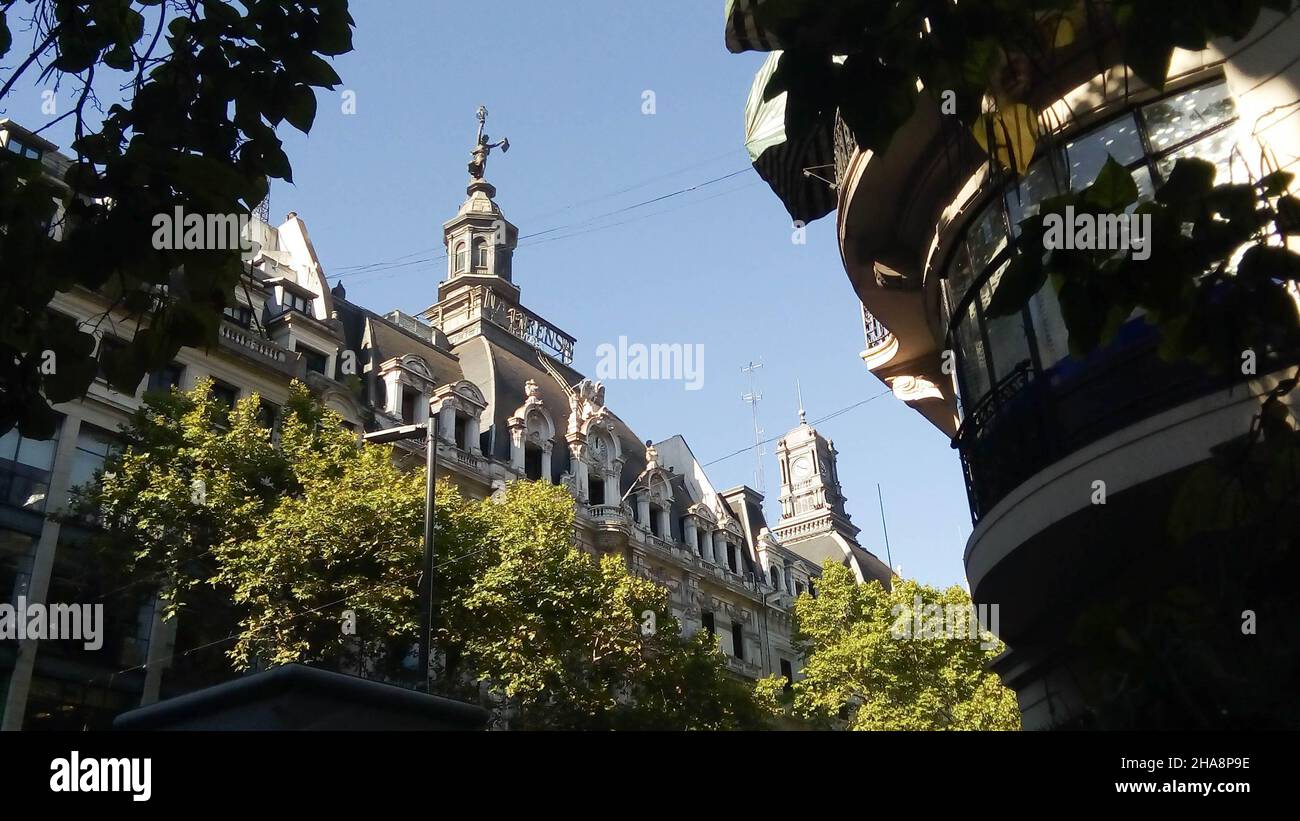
pixel 753 398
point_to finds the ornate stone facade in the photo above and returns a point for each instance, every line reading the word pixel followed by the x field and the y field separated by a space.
pixel 508 405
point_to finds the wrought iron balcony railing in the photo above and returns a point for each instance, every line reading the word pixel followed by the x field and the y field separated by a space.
pixel 1031 419
pixel 877 335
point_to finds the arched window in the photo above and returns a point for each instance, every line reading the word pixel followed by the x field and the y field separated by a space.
pixel 462 259
pixel 480 254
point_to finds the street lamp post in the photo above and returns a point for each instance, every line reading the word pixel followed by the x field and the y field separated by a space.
pixel 428 433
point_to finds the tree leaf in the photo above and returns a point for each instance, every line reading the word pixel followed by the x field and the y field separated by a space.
pixel 1114 188
pixel 301 108
pixel 1023 278
pixel 1190 181
pixel 1008 135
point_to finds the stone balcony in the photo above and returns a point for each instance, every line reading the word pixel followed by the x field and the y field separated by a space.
pixel 748 669
pixel 608 518
pixel 257 349
pixel 611 518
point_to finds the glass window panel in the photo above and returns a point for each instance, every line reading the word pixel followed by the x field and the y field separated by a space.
pixel 16 553
pixel 974 367
pixel 37 453
pixel 93 446
pixel 1146 188
pixel 1086 155
pixel 1007 341
pixel 1049 326
pixel 9 444
pixel 1042 181
pixel 1177 119
pixel 1216 147
pixel 987 235
pixel 959 277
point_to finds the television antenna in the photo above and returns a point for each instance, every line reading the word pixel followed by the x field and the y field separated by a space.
pixel 753 398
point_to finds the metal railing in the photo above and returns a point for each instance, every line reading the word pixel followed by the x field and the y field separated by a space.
pixel 876 333
pixel 1030 420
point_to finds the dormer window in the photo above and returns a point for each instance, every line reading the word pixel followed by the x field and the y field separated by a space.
pixel 410 404
pixel 241 315
pixel 480 254
pixel 462 257
pixel 16 147
pixel 297 302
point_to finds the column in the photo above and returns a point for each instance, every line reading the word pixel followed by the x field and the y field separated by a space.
pixel 517 431
pixel 612 493
pixel 665 523
pixel 689 535
pixel 643 510
pixel 162 645
pixel 577 466
pixel 447 423
pixel 546 461
pixel 392 393
pixel 472 436
pixel 720 548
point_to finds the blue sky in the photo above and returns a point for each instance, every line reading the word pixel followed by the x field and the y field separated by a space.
pixel 565 81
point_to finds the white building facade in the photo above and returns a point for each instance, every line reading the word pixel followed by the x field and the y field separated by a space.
pixel 509 406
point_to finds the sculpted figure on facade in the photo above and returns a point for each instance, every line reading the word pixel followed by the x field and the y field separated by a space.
pixel 651 456
pixel 586 406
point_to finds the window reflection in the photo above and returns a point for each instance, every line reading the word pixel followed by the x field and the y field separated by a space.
pixel 1174 120
pixel 1086 155
pixel 25 466
pixel 1041 182
pixel 1009 347
pixel 1196 122
pixel 93 447
pixel 974 362
pixel 987 235
pixel 960 276
pixel 1217 148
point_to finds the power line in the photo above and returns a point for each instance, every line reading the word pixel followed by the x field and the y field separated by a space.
pixel 544 214
pixel 826 418
pixel 379 267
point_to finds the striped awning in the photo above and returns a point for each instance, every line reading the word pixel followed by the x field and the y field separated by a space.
pixel 743 32
pixel 782 162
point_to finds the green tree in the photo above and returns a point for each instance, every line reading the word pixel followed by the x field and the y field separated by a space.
pixel 862 668
pixel 557 633
pixel 200 88
pixel 283 534
pixel 271 540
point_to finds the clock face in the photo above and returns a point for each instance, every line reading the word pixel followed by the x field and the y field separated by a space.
pixel 802 467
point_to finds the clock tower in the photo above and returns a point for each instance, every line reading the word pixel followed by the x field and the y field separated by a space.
pixel 810 483
pixel 813 520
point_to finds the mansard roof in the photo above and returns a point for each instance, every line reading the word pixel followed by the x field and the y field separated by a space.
pixel 502 369
pixel 389 341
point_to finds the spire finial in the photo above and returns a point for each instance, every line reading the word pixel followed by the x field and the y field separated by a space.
pixel 803 417
pixel 483 147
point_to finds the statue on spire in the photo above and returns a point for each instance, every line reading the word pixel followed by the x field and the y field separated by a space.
pixel 478 165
